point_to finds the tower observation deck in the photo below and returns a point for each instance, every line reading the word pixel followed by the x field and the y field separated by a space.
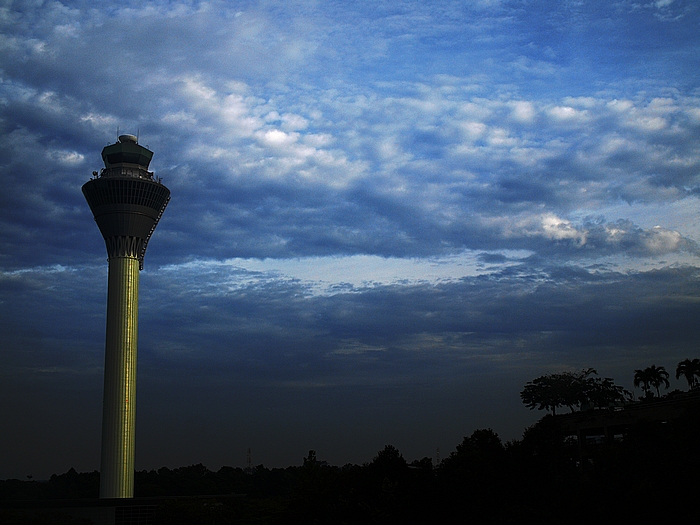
pixel 125 198
pixel 127 203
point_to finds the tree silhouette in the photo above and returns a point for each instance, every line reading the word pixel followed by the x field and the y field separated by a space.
pixel 690 370
pixel 389 461
pixel 641 379
pixel 550 391
pixel 571 389
pixel 603 392
pixel 651 376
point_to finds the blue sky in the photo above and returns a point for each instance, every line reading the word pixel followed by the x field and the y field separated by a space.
pixel 386 217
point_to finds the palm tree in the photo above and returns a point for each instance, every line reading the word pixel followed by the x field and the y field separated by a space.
pixel 641 378
pixel 658 376
pixel 690 370
pixel 651 376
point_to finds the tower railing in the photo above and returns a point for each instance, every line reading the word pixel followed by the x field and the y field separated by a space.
pixel 134 171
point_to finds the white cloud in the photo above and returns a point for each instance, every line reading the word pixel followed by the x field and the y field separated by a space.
pixel 291 122
pixel 500 137
pixel 559 229
pixel 474 130
pixel 276 138
pixel 660 240
pixel 67 158
pixel 523 111
pixel 568 114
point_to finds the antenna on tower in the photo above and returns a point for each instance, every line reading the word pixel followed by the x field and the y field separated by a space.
pixel 138 134
pixel 117 133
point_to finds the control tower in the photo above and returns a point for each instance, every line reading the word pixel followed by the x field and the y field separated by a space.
pixel 127 202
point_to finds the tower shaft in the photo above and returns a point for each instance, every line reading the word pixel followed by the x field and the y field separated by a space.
pixel 119 401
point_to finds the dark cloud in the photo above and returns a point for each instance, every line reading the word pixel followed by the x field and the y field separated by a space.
pixel 269 350
pixel 492 258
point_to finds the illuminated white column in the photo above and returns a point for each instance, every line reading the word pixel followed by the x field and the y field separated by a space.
pixel 119 401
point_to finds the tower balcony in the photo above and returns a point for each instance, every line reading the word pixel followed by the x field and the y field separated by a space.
pixel 126 170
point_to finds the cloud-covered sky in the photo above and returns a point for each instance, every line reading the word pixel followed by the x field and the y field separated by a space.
pixel 386 217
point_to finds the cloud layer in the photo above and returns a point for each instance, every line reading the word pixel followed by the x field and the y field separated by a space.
pixel 385 217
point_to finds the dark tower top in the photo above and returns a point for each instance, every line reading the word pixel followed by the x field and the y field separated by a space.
pixel 125 199
pixel 128 151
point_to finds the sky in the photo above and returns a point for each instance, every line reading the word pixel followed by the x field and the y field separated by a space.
pixel 386 218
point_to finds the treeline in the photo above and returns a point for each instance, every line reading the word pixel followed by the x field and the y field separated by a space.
pixel 584 390
pixel 540 478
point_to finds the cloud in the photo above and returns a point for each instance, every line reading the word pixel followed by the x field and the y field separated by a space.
pixel 222 335
pixel 427 180
pixel 227 313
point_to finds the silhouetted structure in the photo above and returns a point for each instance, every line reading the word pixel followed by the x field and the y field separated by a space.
pixel 127 203
pixel 596 427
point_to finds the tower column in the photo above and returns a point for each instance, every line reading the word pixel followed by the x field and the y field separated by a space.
pixel 119 401
pixel 127 203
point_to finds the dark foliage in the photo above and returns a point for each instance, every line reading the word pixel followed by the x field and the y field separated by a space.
pixel 540 478
pixel 71 485
pixel 545 478
pixel 14 517
pixel 572 390
pixel 652 376
pixel 690 370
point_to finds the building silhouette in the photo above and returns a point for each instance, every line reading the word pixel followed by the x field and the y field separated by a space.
pixel 127 203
